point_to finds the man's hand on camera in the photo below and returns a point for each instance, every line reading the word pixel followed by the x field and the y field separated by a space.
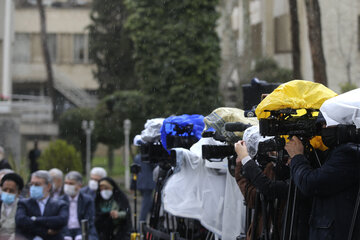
pixel 294 147
pixel 241 150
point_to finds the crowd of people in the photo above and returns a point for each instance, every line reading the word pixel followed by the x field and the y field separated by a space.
pixel 302 189
pixel 54 206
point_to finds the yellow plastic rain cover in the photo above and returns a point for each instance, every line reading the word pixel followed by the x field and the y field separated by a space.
pixel 296 94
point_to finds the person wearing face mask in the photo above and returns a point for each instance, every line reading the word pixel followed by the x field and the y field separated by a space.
pixel 40 216
pixel 57 183
pixel 11 185
pixel 334 185
pixel 95 175
pixel 113 214
pixel 81 207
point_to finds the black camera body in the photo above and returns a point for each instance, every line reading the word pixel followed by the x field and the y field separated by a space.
pixel 153 153
pixel 343 134
pixel 285 122
pixel 275 144
pixel 173 141
pixel 217 151
pixel 270 145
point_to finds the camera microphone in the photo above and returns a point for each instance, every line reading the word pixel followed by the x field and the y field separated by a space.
pixel 236 126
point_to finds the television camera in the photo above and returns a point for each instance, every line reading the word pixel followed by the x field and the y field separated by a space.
pixel 155 152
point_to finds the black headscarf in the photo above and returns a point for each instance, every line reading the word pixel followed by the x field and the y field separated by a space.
pixel 121 199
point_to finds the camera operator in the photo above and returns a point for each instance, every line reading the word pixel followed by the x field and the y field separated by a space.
pixel 273 183
pixel 333 186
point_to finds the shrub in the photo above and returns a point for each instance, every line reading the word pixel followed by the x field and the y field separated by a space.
pixel 59 154
pixel 70 130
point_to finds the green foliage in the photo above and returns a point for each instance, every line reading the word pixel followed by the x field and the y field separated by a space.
pixel 345 87
pixel 70 130
pixel 59 154
pixel 268 69
pixel 177 54
pixel 113 110
pixel 110 47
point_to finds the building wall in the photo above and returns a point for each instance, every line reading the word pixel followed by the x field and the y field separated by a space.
pixel 340 20
pixel 340 29
pixel 68 45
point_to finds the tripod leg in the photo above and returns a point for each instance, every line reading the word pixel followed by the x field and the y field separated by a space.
pixel 265 231
pixel 286 226
pixel 354 232
pixel 255 219
pixel 293 213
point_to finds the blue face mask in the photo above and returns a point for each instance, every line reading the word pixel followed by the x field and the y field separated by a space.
pixel 7 198
pixel 36 192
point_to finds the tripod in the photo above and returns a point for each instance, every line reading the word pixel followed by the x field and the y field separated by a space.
pixel 164 173
pixel 135 169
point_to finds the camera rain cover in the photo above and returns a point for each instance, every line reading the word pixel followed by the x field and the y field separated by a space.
pixel 182 126
pixel 151 133
pixel 296 94
pixel 220 116
pixel 343 109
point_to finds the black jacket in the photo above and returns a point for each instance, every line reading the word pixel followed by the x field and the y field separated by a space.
pixel 334 187
pixel 55 217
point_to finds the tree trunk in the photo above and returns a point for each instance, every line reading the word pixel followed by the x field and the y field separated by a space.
pixel 295 34
pixel 47 59
pixel 110 154
pixel 230 61
pixel 315 39
pixel 247 57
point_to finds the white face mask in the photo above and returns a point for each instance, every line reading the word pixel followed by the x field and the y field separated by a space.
pixel 93 185
pixel 70 190
pixel 106 194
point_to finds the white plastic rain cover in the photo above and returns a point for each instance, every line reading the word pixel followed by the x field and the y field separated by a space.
pixel 209 195
pixel 151 133
pixel 342 109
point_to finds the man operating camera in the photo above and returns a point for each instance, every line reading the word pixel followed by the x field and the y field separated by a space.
pixel 333 186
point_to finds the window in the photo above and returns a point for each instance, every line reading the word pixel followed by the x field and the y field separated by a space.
pixel 65 47
pixel 36 47
pixel 79 48
pixel 51 38
pixel 22 50
pixel 282 34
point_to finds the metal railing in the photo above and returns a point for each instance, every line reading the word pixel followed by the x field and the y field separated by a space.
pixel 76 95
pixel 32 108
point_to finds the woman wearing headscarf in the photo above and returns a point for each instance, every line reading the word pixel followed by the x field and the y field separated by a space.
pixel 113 214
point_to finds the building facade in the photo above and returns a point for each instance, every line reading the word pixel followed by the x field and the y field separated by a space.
pixel 270 33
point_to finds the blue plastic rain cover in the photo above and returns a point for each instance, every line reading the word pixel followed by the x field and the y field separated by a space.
pixel 182 126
